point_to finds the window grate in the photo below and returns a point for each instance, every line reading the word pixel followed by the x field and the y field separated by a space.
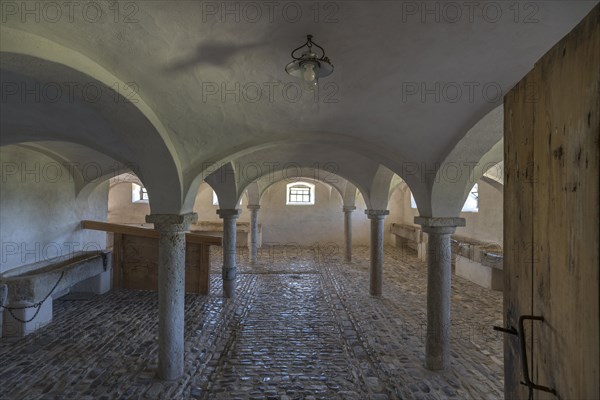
pixel 300 194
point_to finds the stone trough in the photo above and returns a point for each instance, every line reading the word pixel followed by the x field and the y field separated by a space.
pixel 412 236
pixel 31 284
pixel 479 262
pixel 216 228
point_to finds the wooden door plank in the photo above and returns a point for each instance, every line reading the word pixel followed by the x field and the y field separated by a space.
pixel 518 218
pixel 566 276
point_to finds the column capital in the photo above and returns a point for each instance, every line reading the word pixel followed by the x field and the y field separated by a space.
pixel 172 222
pixel 253 207
pixel 439 225
pixel 349 208
pixel 377 214
pixel 229 213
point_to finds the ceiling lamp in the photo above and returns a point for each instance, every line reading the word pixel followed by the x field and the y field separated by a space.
pixel 309 66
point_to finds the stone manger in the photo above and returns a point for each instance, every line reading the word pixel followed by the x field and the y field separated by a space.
pixel 411 236
pixel 480 262
pixel 30 289
pixel 216 229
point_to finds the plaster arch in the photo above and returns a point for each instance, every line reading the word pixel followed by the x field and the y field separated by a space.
pixel 253 193
pixel 300 179
pixel 380 189
pixel 75 173
pixel 292 160
pixel 357 155
pixel 120 125
pixel 479 150
pixel 90 187
pixel 266 181
pixel 350 195
pixel 397 183
pixel 126 177
pixel 223 182
pixel 495 176
pixel 310 174
pixel 87 168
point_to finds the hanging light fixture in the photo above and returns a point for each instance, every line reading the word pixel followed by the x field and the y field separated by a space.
pixel 309 66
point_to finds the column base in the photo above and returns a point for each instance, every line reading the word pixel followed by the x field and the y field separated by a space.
pixel 436 364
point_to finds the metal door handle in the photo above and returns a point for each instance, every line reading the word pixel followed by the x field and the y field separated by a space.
pixel 526 378
pixel 521 334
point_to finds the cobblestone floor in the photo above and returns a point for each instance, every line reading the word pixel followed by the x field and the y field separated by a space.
pixel 301 327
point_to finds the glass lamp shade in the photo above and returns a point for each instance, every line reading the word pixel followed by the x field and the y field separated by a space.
pixel 309 69
pixel 309 74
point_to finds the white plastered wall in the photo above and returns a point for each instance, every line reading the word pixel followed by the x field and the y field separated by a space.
pixel 39 212
pixel 281 223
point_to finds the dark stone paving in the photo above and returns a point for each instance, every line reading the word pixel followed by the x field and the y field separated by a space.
pixel 301 327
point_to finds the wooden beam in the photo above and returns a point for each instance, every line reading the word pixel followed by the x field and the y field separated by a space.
pixel 141 231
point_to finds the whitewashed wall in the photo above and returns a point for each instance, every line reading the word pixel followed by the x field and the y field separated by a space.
pixel 39 213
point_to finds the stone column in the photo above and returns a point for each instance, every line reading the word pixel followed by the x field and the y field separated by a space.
pixel 439 272
pixel 229 217
pixel 171 291
pixel 348 231
pixel 377 217
pixel 253 234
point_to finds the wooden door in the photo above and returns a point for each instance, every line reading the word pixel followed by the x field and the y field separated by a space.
pixel 552 133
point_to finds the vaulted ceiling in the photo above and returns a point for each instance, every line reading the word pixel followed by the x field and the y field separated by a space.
pixel 407 85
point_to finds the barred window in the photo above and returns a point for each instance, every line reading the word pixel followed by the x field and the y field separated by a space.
pixel 300 193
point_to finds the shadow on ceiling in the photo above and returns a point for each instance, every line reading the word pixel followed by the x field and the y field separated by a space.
pixel 217 54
